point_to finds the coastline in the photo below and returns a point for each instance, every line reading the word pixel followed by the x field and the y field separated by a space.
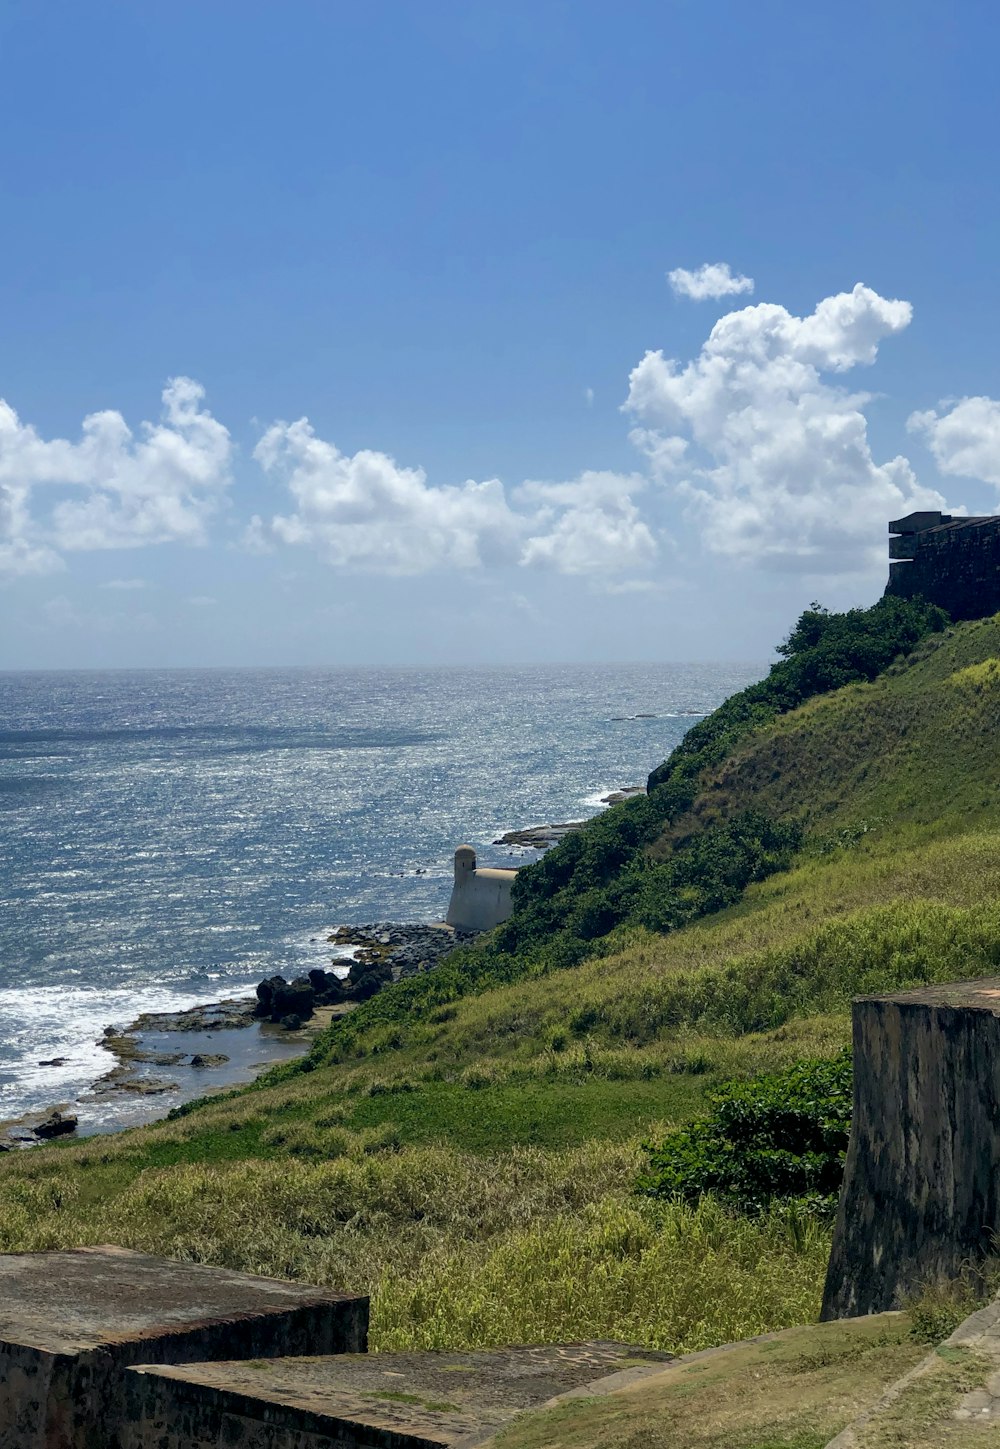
pixel 162 1059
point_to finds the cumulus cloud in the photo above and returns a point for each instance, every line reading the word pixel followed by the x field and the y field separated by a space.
pixel 21 550
pixel 589 526
pixel 115 490
pixel 770 458
pixel 711 280
pixel 965 438
pixel 369 512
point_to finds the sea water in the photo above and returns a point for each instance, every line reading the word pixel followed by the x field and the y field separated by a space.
pixel 170 837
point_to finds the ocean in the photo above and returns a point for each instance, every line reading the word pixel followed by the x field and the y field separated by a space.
pixel 169 837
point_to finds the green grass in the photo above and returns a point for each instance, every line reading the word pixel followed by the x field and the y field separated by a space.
pixel 471 1163
pixel 456 1251
pixel 796 1392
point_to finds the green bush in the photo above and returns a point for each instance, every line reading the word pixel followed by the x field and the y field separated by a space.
pixel 778 1136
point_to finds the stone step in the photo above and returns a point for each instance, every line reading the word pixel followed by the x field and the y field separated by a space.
pixel 430 1400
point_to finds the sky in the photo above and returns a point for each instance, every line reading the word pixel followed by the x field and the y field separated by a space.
pixel 427 333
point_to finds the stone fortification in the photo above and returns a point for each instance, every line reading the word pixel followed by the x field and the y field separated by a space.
pixel 433 1400
pixel 73 1323
pixel 921 1194
pixel 480 899
pixel 102 1348
pixel 953 562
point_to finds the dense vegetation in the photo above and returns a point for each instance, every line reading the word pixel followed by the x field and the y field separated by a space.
pixel 783 1135
pixel 466 1146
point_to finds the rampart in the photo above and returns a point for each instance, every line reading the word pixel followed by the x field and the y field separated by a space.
pixel 953 562
pixel 480 899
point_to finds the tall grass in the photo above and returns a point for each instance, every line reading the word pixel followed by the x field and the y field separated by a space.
pixel 457 1251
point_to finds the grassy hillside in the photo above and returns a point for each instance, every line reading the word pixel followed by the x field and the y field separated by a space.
pixel 466 1146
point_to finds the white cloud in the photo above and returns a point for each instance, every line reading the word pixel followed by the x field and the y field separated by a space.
pixel 202 601
pixel 965 439
pixel 366 511
pixel 254 537
pixel 162 487
pixel 589 526
pixel 21 550
pixel 712 279
pixel 781 472
pixel 124 584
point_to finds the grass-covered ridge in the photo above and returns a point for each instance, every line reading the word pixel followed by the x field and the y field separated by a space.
pixel 620 872
pixel 467 1148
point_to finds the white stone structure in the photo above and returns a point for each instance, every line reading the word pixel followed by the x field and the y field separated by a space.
pixel 480 899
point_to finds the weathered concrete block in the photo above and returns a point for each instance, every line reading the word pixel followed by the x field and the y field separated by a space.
pixel 370 1401
pixel 71 1323
pixel 921 1192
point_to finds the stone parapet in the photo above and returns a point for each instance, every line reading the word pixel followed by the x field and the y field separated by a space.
pixel 71 1323
pixel 953 562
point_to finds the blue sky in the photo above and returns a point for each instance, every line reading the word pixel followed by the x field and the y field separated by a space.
pixel 370 309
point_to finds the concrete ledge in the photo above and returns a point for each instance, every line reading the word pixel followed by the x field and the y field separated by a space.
pixel 72 1322
pixel 433 1400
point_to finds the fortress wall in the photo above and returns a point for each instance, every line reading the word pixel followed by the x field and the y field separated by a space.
pixel 74 1322
pixel 480 899
pixel 921 1193
pixel 954 564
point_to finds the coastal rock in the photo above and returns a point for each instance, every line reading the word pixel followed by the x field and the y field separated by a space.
pixel 36 1127
pixel 540 837
pixel 124 1078
pixel 213 1016
pixel 56 1124
pixel 368 978
pixel 627 792
pixel 383 952
pixel 543 837
pixel 328 986
pixel 278 998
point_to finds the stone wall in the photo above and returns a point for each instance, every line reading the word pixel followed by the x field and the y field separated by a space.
pixel 921 1194
pixel 954 563
pixel 73 1323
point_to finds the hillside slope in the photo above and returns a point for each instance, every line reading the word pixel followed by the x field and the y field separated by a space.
pixel 466 1147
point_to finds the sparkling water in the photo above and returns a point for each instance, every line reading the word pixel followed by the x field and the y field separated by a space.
pixel 170 837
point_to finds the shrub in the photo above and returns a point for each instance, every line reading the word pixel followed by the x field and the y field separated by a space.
pixel 777 1136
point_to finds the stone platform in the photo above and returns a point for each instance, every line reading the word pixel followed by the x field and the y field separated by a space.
pixel 434 1400
pixel 72 1322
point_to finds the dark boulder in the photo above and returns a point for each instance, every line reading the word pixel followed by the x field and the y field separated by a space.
pixel 328 986
pixel 293 998
pixel 56 1124
pixel 365 981
pixel 265 994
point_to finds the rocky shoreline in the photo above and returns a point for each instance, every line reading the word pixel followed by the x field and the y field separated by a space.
pixel 164 1056
pixel 169 1057
pixel 542 837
